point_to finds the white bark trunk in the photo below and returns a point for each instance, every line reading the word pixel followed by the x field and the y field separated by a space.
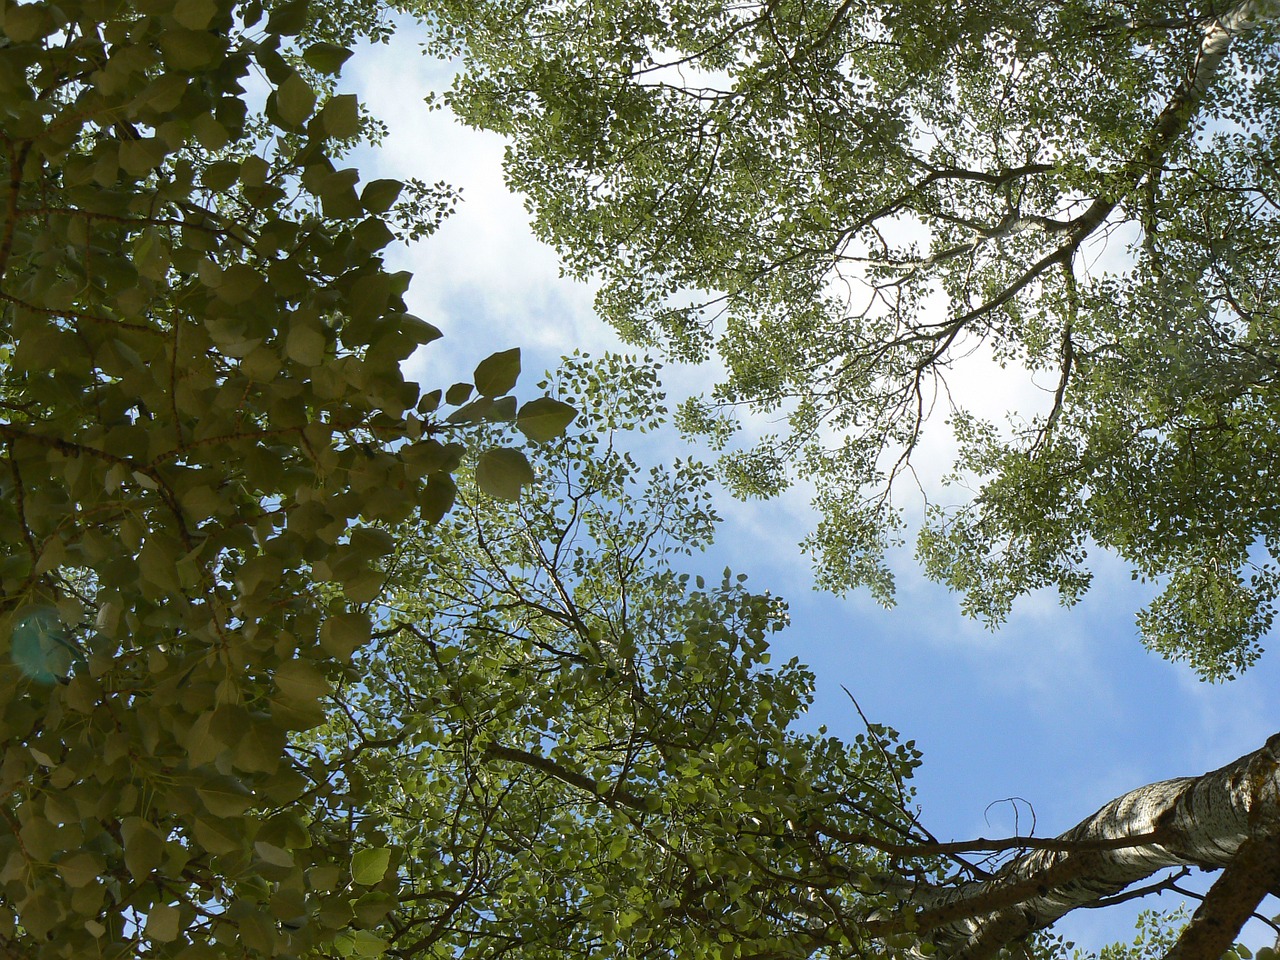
pixel 1198 821
pixel 1173 121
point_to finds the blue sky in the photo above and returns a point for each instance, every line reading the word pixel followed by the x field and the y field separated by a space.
pixel 1061 708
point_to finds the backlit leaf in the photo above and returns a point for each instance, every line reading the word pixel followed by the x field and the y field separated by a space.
pixel 544 418
pixel 369 866
pixel 502 473
pixel 497 374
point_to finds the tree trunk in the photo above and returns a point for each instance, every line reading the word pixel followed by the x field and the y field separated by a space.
pixel 1206 821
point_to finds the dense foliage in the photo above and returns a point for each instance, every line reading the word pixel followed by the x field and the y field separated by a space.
pixel 299 660
pixel 204 432
pixel 848 198
pixel 577 751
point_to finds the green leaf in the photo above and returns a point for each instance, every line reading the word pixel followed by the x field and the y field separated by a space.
pixel 497 373
pixel 343 633
pixel 276 856
pixel 338 198
pixel 300 682
pixel 202 743
pixel 190 50
pixel 458 394
pixel 261 747
pixel 80 869
pixel 288 19
pixel 25 22
pixel 372 234
pixel 379 195
pixel 544 419
pixel 371 908
pixel 306 345
pixel 502 473
pixel 219 836
pixel 326 57
pixel 143 847
pixel 476 411
pixel 194 14
pixel 163 923
pixel 225 798
pixel 369 866
pixel 220 175
pixel 437 498
pixel 341 116
pixel 366 943
pixel 295 101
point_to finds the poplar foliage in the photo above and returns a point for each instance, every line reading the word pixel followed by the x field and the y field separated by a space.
pixel 845 199
pixel 299 659
pixel 205 443
pixel 577 750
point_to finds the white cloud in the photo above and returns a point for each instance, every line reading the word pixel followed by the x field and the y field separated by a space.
pixel 483 278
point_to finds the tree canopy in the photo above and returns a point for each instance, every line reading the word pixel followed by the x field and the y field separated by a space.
pixel 846 199
pixel 300 659
pixel 204 437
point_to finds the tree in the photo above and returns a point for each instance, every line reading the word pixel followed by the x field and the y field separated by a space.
pixel 204 432
pixel 569 749
pixel 845 199
pixel 263 695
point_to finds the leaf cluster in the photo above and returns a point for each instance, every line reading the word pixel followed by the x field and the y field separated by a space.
pixel 205 435
pixel 847 200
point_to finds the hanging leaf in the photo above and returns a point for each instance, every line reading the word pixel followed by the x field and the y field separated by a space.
pixel 341 116
pixel 379 195
pixel 295 100
pixel 163 923
pixel 502 473
pixel 544 419
pixel 437 498
pixel 326 57
pixel 497 374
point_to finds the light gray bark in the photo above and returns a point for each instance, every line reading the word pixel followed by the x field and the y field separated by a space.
pixel 1198 821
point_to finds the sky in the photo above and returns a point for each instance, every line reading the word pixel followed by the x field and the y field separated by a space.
pixel 1061 709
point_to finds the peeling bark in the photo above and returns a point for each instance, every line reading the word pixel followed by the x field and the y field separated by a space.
pixel 1227 818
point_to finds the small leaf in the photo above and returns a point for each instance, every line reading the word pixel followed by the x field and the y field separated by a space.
pixel 498 373
pixel 369 866
pixel 544 419
pixel 501 473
